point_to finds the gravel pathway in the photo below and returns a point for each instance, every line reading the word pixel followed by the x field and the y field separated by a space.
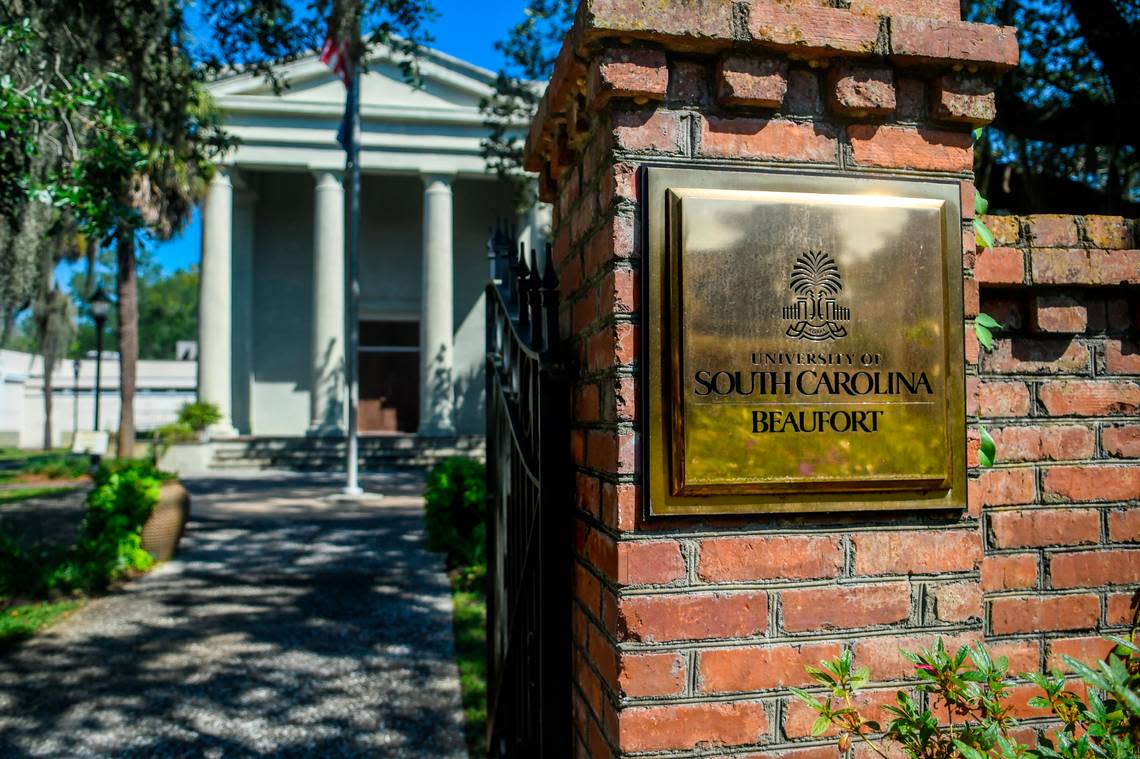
pixel 322 633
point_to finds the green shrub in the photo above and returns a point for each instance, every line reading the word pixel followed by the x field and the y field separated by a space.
pixel 199 415
pixel 175 432
pixel 110 539
pixel 58 467
pixel 967 710
pixel 456 507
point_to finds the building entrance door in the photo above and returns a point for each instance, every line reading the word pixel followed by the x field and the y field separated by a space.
pixel 389 376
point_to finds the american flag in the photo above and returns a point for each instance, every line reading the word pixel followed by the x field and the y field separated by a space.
pixel 335 56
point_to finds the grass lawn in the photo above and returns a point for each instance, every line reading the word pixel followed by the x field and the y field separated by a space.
pixel 471 654
pixel 23 494
pixel 18 623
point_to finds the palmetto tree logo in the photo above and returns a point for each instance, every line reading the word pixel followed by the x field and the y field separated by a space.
pixel 816 281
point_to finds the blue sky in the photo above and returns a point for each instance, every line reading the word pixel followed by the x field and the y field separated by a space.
pixel 465 29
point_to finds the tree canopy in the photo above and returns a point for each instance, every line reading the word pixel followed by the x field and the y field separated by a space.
pixel 1065 138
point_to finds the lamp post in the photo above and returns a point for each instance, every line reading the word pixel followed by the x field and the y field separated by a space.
pixel 100 307
pixel 76 365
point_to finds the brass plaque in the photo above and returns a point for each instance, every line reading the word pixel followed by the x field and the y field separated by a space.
pixel 804 343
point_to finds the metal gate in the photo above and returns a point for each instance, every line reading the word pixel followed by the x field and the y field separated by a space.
pixel 529 508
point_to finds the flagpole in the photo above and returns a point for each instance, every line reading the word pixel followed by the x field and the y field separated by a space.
pixel 352 270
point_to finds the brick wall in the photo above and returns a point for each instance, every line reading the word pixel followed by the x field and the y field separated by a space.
pixel 688 632
pixel 1060 394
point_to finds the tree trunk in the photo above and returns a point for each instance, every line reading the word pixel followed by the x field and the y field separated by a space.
pixel 48 389
pixel 128 340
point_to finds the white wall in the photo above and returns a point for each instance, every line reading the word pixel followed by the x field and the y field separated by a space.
pixel 163 386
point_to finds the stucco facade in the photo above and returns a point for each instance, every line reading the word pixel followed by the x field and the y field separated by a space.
pixel 272 328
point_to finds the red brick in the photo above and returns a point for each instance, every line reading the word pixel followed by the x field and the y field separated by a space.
pixel 686 726
pixel 861 91
pixel 1085 267
pixel 1013 572
pixel 992 400
pixel 749 669
pixel 649 131
pixel 1000 266
pixel 1092 569
pixel 846 607
pixel 1108 232
pixel 943 9
pixel 1053 231
pixel 1085 398
pixel 586 494
pixel 931 552
pixel 625 398
pixel 695 616
pixel 653 674
pixel 799 717
pixel 769 558
pixel 617 292
pixel 587 588
pixel 752 81
pixel 1092 483
pixel 963 100
pixel 1005 487
pixel 958 601
pixel 1022 655
pixel 1052 443
pixel 1087 650
pixel 953 42
pixel 1059 313
pixel 884 658
pixel 694 20
pixel 650 563
pixel 1124 526
pixel 1122 357
pixel 639 73
pixel 893 146
pixel 812 30
pixel 1044 614
pixel 596 548
pixel 1038 356
pixel 971 297
pixel 768 139
pixel 1122 608
pixel 1045 527
pixel 1005 229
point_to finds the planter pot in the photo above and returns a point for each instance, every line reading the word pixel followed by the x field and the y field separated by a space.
pixel 163 530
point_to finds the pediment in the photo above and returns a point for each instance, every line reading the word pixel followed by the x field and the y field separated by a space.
pixel 446 83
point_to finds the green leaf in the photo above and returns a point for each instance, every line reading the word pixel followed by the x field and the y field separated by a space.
pixel 819 727
pixel 978 133
pixel 987 321
pixel 981 205
pixel 968 751
pixel 807 698
pixel 982 235
pixel 1039 702
pixel 987 452
pixel 985 337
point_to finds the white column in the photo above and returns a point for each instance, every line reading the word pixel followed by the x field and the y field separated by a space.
pixel 436 310
pixel 215 301
pixel 327 406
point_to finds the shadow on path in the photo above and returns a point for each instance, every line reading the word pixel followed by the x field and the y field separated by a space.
pixel 324 634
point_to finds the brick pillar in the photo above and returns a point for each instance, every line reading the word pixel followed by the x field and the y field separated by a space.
pixel 688 632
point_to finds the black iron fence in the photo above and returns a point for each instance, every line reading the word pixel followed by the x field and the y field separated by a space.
pixel 529 506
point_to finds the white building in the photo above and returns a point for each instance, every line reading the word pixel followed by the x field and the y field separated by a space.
pixel 272 328
pixel 163 386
